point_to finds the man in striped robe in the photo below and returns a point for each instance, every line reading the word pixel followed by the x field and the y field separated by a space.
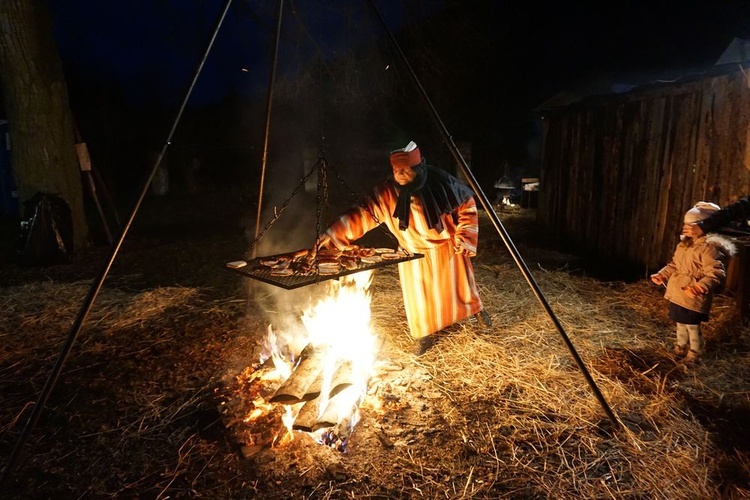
pixel 430 212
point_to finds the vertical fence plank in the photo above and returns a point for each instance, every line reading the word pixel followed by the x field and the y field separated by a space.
pixel 619 171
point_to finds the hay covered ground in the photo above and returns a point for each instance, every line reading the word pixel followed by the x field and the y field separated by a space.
pixel 148 401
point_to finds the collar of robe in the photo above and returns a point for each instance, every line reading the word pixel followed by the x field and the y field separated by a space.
pixel 438 191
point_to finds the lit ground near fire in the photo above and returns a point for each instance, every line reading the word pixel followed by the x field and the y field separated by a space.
pixel 150 404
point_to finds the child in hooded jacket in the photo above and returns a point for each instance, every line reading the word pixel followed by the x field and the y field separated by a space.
pixel 696 271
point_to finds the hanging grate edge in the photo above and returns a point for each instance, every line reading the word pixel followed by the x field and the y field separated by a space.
pixel 294 270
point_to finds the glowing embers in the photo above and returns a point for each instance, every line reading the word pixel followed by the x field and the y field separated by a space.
pixel 316 389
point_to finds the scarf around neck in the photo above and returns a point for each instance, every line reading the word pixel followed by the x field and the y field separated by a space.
pixel 438 191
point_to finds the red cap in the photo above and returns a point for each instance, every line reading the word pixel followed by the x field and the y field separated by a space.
pixel 401 158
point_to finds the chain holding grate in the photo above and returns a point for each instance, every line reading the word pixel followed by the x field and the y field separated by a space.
pixel 302 267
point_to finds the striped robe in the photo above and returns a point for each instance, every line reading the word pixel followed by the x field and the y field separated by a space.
pixel 439 289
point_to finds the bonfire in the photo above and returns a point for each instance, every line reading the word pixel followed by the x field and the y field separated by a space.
pixel 317 389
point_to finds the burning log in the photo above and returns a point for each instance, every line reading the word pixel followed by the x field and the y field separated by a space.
pixel 306 381
pixel 296 387
pixel 307 420
pixel 338 408
pixel 340 379
pixel 307 416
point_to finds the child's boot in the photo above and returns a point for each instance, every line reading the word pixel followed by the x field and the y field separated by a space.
pixel 680 350
pixel 692 357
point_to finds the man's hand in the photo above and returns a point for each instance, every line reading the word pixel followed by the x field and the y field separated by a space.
pixel 324 241
pixel 459 249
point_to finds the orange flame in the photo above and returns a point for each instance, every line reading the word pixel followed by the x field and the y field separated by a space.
pixel 340 322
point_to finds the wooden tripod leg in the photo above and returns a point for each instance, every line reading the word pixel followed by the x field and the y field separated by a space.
pixel 92 188
pixel 84 161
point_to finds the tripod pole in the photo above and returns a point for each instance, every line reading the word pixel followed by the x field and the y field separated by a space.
pixel 616 424
pixel 269 102
pixel 97 284
pixel 84 160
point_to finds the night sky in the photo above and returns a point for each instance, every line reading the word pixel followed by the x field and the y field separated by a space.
pixel 150 48
pixel 128 42
pixel 489 63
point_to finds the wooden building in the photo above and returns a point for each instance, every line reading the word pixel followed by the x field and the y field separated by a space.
pixel 620 170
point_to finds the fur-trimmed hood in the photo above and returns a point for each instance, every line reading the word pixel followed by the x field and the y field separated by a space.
pixel 722 243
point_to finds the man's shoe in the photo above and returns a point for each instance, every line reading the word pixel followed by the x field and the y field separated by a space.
pixel 483 319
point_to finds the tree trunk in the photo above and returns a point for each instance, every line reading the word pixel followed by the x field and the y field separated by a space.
pixel 36 99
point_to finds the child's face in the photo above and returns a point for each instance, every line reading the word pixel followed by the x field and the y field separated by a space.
pixel 687 230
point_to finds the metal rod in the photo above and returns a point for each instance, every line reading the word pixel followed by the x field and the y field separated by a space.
pixel 97 284
pixel 269 102
pixel 499 226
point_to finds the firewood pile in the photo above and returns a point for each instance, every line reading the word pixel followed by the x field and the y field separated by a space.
pixel 316 403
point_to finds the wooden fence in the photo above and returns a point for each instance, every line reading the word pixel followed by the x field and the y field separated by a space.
pixel 619 171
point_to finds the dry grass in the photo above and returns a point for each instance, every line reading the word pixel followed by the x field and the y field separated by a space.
pixel 546 425
pixel 504 413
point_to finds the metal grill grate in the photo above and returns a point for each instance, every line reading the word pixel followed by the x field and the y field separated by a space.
pixel 255 270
